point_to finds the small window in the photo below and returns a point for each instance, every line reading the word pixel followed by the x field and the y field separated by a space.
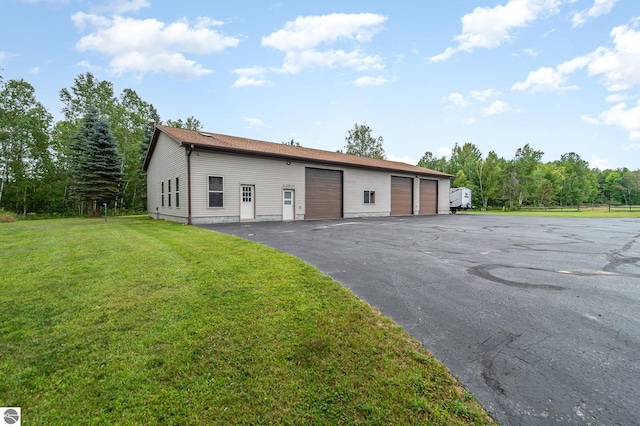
pixel 169 185
pixel 169 199
pixel 177 193
pixel 162 190
pixel 216 191
pixel 247 194
pixel 369 197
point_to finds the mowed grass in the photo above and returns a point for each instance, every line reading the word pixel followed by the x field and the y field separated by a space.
pixel 585 213
pixel 137 321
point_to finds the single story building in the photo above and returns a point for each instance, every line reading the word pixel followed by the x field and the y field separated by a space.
pixel 199 177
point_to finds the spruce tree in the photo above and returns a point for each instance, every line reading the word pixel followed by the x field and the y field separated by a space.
pixel 96 163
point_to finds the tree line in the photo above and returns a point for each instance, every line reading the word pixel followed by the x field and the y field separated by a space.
pixel 50 168
pixel 44 166
pixel 525 180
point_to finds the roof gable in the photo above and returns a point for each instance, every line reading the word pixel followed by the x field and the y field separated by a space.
pixel 225 143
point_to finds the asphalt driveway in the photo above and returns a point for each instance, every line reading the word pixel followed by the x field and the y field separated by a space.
pixel 538 317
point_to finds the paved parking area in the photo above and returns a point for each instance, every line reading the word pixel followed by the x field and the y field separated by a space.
pixel 538 317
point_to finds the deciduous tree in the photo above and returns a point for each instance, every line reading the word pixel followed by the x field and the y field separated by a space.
pixel 489 178
pixel 191 123
pixel 360 142
pixel 580 185
pixel 24 142
pixel 525 162
pixel 429 161
pixel 466 158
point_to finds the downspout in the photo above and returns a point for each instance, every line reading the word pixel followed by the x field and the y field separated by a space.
pixel 190 150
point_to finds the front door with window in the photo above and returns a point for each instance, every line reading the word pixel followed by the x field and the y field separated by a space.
pixel 247 207
pixel 288 205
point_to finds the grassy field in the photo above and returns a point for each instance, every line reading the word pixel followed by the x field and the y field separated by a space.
pixel 592 213
pixel 137 321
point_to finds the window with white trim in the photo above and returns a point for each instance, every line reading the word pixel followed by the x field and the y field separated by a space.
pixel 216 191
pixel 369 197
pixel 177 193
pixel 169 192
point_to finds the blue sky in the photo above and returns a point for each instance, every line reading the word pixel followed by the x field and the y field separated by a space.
pixel 560 75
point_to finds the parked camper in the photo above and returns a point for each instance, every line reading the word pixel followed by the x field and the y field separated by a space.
pixel 459 199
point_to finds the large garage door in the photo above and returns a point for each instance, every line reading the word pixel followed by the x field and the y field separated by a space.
pixel 323 194
pixel 401 196
pixel 428 196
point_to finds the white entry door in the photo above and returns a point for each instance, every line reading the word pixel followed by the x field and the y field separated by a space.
pixel 288 205
pixel 247 207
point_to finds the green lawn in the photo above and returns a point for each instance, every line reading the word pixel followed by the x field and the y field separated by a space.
pixel 137 321
pixel 592 213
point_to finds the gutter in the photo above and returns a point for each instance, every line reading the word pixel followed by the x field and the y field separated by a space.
pixel 189 151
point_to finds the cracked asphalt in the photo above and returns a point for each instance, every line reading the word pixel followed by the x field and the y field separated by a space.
pixel 538 317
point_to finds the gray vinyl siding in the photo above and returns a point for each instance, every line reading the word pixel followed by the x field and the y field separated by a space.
pixel 168 162
pixel 356 181
pixel 269 176
pixel 443 195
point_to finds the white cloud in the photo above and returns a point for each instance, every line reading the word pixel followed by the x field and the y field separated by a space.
pixel 34 70
pixel 600 7
pixel 531 52
pixel 370 81
pixel 253 123
pixel 246 81
pixel 404 159
pixel 297 61
pixel 484 94
pixel 3 55
pixel 577 63
pixel 251 77
pixel 617 98
pixel 598 163
pixel 448 52
pixel 122 6
pixel 307 32
pixel 468 121
pixel 496 107
pixel 443 151
pixel 628 119
pixel 590 120
pixel 117 7
pixel 619 65
pixel 488 28
pixel 544 79
pixel 631 146
pixel 302 39
pixel 619 115
pixel 149 45
pixel 458 100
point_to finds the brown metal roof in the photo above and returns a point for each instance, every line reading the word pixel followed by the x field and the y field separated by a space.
pixel 218 142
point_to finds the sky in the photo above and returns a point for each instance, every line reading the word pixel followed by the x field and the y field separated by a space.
pixel 560 75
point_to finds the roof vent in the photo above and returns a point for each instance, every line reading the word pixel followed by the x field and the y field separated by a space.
pixel 206 135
